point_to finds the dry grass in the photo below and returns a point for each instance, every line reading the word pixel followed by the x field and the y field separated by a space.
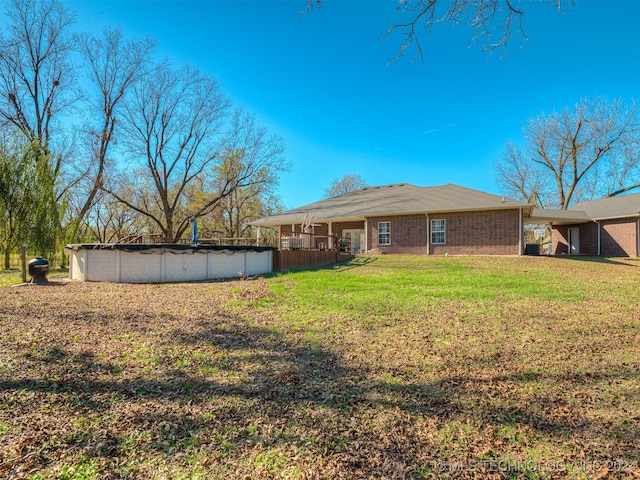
pixel 255 379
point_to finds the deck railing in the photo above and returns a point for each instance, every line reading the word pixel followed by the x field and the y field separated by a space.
pixel 142 238
pixel 243 241
pixel 310 241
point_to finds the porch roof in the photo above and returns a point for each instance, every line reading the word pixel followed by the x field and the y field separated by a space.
pixel 622 206
pixel 557 217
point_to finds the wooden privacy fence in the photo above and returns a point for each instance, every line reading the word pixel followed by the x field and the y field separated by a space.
pixel 285 260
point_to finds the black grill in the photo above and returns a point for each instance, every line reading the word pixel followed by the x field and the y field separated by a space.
pixel 38 270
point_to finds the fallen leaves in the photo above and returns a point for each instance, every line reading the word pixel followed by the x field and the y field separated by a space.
pixel 206 380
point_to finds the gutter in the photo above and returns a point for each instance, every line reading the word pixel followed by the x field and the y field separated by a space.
pixel 447 210
pixel 521 230
pixel 618 217
pixel 357 218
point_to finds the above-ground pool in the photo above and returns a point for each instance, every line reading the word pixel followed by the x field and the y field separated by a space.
pixel 160 263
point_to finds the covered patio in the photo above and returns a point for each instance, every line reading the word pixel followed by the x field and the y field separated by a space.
pixel 560 244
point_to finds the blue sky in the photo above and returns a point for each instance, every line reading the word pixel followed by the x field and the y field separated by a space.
pixel 323 82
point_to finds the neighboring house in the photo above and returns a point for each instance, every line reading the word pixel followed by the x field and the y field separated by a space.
pixel 404 218
pixel 608 227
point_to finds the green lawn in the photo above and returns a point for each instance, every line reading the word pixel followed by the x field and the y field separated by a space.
pixel 10 277
pixel 384 367
pixel 14 276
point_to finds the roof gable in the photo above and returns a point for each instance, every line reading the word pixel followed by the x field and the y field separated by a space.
pixel 611 207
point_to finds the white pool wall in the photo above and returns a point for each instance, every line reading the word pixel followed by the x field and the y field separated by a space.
pixel 164 264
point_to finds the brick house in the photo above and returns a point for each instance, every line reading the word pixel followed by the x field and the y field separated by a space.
pixel 404 218
pixel 608 227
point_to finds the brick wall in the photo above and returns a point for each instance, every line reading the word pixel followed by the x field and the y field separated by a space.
pixel 559 239
pixel 495 232
pixel 408 234
pixel 589 239
pixel 588 242
pixel 618 238
pixel 338 227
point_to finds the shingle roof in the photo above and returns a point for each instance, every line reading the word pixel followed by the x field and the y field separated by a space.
pixel 611 207
pixel 396 199
pixel 557 217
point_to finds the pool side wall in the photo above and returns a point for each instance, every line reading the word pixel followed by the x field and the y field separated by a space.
pixel 164 264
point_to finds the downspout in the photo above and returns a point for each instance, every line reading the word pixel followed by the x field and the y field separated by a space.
pixel 598 223
pixel 428 234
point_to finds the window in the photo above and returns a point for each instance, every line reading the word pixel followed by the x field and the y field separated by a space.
pixel 384 233
pixel 438 230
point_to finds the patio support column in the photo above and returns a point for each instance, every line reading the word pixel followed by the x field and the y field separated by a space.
pixel 521 229
pixel 330 235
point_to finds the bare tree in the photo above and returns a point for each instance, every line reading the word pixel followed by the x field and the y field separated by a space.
pixel 114 67
pixel 587 152
pixel 233 216
pixel 243 205
pixel 172 127
pixel 109 220
pixel 493 22
pixel 519 178
pixel 251 157
pixel 244 181
pixel 36 74
pixel 191 162
pixel 346 184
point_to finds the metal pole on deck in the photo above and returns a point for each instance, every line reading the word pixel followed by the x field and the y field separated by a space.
pixel 194 232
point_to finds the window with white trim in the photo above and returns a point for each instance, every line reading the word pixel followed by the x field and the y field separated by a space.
pixel 438 232
pixel 384 233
